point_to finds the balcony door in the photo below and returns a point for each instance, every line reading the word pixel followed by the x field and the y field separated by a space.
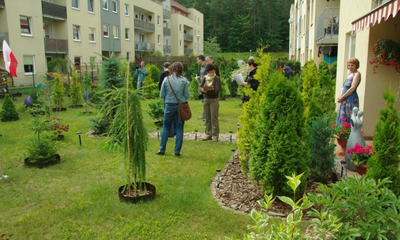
pixel 47 30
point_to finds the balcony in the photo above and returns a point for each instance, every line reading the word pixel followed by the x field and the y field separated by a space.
pixel 3 36
pixel 188 37
pixel 327 27
pixel 1 3
pixel 56 46
pixel 144 26
pixel 187 51
pixel 167 49
pixel 167 32
pixel 54 11
pixel 166 14
pixel 144 47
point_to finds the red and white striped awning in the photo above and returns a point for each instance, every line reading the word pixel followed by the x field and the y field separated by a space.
pixel 375 16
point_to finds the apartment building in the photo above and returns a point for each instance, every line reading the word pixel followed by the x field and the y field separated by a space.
pixel 360 23
pixel 83 31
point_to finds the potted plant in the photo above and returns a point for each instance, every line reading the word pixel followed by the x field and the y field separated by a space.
pixel 156 111
pixel 386 52
pixel 127 133
pixel 342 133
pixel 8 111
pixel 75 92
pixel 360 156
pixel 41 149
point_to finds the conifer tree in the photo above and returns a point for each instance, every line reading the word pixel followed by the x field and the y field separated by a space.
pixel 8 111
pixel 75 90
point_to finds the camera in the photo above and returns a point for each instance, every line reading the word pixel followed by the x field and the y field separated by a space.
pixel 137 66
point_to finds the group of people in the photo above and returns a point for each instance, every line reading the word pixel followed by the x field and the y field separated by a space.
pixel 174 88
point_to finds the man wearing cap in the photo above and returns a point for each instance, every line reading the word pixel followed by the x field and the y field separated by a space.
pixel 164 74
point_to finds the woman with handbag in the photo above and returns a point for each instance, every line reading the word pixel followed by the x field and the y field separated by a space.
pixel 210 86
pixel 173 91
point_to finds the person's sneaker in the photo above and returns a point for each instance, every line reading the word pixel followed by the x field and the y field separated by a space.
pixel 177 154
pixel 160 153
pixel 207 139
pixel 215 140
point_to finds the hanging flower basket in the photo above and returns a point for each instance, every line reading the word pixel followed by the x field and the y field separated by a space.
pixel 386 52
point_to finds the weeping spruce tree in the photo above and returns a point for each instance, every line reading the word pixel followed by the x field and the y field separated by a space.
pixel 279 146
pixel 385 163
pixel 127 132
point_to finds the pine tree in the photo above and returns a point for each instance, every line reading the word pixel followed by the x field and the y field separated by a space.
pixel 75 90
pixel 8 111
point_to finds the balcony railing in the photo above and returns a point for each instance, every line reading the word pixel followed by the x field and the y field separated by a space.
pixel 144 26
pixel 54 11
pixel 166 14
pixel 188 37
pixel 187 51
pixel 327 26
pixel 144 47
pixel 167 32
pixel 3 36
pixel 54 45
pixel 167 49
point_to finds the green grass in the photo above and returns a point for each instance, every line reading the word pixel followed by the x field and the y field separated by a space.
pixel 78 198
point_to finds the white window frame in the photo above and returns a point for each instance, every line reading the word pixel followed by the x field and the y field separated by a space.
pixel 29 20
pixel 108 30
pixel 105 4
pixel 127 35
pixel 91 3
pixel 31 61
pixel 158 20
pixel 75 2
pixel 92 34
pixel 180 43
pixel 76 32
pixel 126 9
pixel 115 6
pixel 115 32
pixel 159 39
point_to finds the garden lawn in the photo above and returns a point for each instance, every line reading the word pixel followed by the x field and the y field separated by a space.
pixel 78 198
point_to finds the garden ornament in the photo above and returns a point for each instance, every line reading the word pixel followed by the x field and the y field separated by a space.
pixel 355 135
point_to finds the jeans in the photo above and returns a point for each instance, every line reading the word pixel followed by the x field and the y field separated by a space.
pixel 171 113
pixel 171 132
pixel 139 84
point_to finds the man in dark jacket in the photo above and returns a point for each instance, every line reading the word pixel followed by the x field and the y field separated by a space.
pixel 164 74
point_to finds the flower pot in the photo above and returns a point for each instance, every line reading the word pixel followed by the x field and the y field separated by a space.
pixel 140 195
pixel 53 160
pixel 342 143
pixel 362 169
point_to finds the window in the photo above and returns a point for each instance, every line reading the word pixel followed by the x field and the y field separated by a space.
pixel 167 42
pixel 29 67
pixel 126 10
pixel 114 3
pixel 158 20
pixel 127 33
pixel 26 27
pixel 77 63
pixel 46 29
pixel 180 43
pixel 115 32
pixel 91 35
pixel 141 37
pixel 105 4
pixel 158 39
pixel 180 27
pixel 76 31
pixel 106 30
pixel 128 55
pixel 90 6
pixel 75 3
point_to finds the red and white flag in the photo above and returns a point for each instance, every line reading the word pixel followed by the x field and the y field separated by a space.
pixel 10 61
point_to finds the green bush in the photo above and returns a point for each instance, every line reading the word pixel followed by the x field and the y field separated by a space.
pixel 194 89
pixel 8 111
pixel 150 88
pixel 110 76
pixel 280 145
pixel 310 81
pixel 322 157
pixel 366 208
pixel 385 163
pixel 75 90
pixel 232 84
pixel 58 65
pixel 156 109
pixel 58 91
pixel 100 125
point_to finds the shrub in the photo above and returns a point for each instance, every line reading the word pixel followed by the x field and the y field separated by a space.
pixel 232 84
pixel 75 90
pixel 310 81
pixel 110 77
pixel 58 65
pixel 367 208
pixel 279 145
pixel 8 111
pixel 322 157
pixel 156 109
pixel 194 89
pixel 385 162
pixel 100 125
pixel 224 90
pixel 58 91
pixel 151 81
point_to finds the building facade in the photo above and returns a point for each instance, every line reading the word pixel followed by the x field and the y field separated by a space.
pixel 82 31
pixel 359 24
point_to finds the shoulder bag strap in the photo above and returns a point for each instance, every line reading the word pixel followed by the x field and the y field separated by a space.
pixel 173 90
